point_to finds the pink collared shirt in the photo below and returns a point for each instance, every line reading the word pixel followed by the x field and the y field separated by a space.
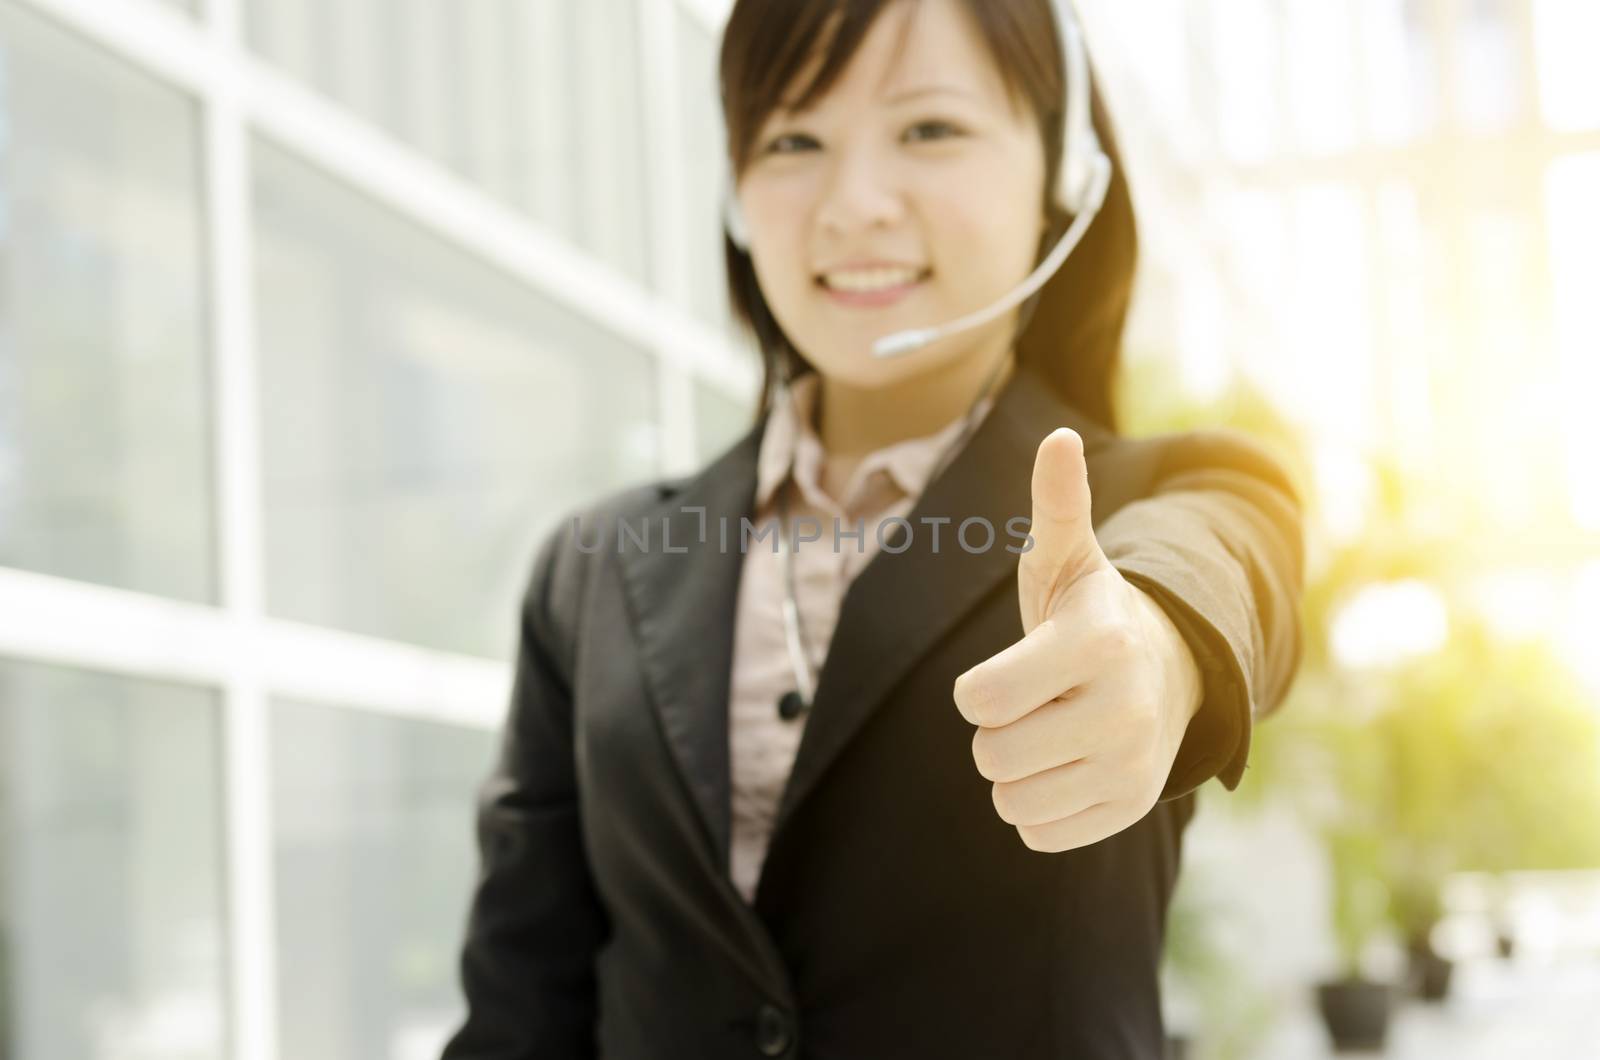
pixel 884 485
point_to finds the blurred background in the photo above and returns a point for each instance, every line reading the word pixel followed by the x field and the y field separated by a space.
pixel 308 311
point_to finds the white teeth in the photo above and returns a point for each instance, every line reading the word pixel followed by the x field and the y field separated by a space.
pixel 866 280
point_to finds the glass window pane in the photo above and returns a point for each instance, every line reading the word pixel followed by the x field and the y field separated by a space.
pixel 1329 302
pixel 104 463
pixel 1496 273
pixel 1244 37
pixel 705 170
pixel 719 420
pixel 1401 61
pixel 1408 343
pixel 1565 32
pixel 1319 66
pixel 425 418
pixel 537 103
pixel 111 883
pixel 1488 74
pixel 1258 265
pixel 1572 217
pixel 1162 34
pixel 375 862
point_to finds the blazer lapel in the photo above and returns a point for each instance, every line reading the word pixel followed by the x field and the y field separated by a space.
pixel 683 607
pixel 902 604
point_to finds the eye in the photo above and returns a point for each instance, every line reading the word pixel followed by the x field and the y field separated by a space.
pixel 791 143
pixel 932 129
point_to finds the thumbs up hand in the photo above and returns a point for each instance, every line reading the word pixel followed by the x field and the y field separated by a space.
pixel 1079 722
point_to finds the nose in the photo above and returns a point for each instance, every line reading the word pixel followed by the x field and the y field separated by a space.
pixel 861 193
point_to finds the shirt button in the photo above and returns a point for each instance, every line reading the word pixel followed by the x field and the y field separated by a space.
pixel 773 1034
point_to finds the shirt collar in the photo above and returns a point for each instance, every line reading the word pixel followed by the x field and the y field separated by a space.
pixel 790 448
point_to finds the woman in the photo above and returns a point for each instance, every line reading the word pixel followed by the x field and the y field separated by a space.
pixel 819 793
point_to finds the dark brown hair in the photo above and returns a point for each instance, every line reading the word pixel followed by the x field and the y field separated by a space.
pixel 1071 331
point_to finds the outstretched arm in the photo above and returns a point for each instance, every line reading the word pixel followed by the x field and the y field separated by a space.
pixel 1218 544
pixel 1150 643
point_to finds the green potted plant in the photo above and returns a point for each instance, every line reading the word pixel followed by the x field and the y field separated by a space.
pixel 1423 733
pixel 1356 1009
pixel 1417 908
pixel 1487 746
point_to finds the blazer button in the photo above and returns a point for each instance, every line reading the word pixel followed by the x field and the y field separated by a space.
pixel 773 1033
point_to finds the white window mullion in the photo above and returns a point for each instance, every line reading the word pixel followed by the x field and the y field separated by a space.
pixel 252 938
pixel 591 91
pixel 542 28
pixel 64 622
pixel 662 115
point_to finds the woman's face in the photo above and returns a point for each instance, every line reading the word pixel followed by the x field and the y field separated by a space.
pixel 907 196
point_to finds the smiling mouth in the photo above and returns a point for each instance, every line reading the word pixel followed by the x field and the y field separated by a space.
pixel 872 281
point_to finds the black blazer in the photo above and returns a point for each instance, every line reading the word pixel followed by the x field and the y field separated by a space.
pixel 897 915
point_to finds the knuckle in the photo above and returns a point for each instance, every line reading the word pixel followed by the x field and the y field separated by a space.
pixel 1116 639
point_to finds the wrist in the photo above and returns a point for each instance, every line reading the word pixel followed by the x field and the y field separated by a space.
pixel 1181 678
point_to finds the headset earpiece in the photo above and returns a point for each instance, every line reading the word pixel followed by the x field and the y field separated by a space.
pixel 1079 144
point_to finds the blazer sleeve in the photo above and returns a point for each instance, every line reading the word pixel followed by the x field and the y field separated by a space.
pixel 1218 542
pixel 535 924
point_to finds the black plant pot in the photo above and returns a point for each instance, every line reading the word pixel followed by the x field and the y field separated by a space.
pixel 1356 1013
pixel 1429 972
pixel 1505 943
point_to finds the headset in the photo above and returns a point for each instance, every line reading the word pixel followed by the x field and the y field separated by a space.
pixel 1083 179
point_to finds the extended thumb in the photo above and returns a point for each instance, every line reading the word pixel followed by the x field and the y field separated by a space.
pixel 1062 529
